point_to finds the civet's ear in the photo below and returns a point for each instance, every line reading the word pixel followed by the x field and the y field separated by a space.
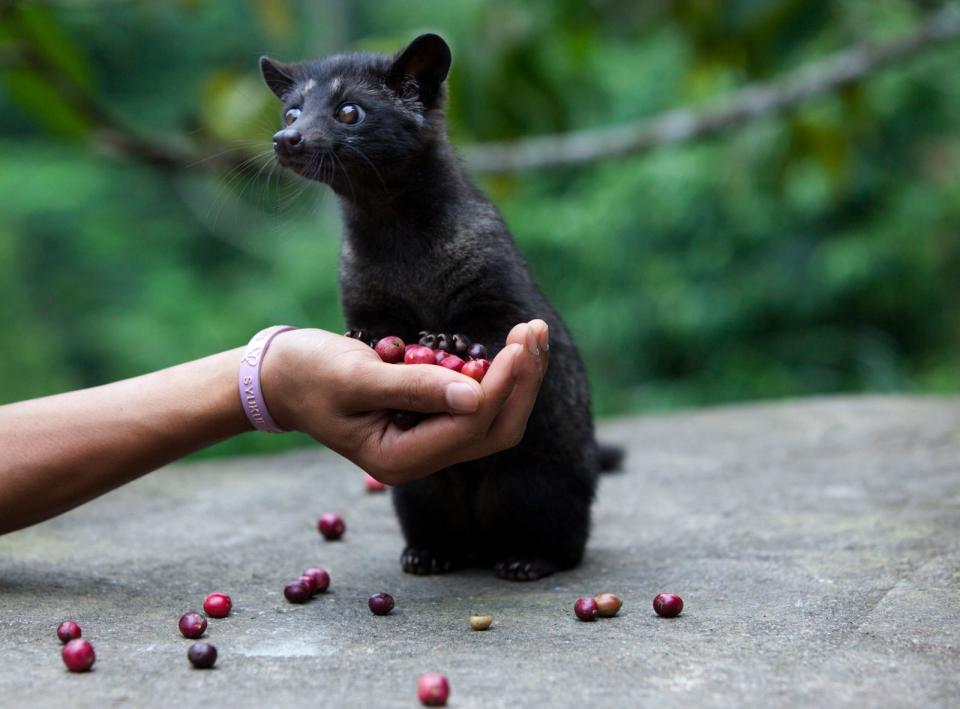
pixel 420 69
pixel 279 76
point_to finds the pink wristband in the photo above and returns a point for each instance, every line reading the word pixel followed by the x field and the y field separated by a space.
pixel 251 396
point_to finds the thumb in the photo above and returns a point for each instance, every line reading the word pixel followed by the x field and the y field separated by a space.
pixel 424 388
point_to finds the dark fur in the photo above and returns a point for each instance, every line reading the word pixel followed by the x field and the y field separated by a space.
pixel 424 249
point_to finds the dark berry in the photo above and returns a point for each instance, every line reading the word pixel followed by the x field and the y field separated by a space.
pixel 321 579
pixel 390 349
pixel 452 362
pixel 419 355
pixel 405 420
pixel 68 630
pixel 192 625
pixel 217 605
pixel 202 655
pixel 372 484
pixel 309 582
pixel 608 605
pixel 475 369
pixel 78 655
pixel 433 689
pixel 586 609
pixel 331 526
pixel 477 351
pixel 667 605
pixel 381 603
pixel 297 592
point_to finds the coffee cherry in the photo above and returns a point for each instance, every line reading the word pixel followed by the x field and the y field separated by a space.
pixel 202 655
pixel 608 605
pixel 192 625
pixel 419 355
pixel 451 361
pixel 475 369
pixel 78 655
pixel 309 582
pixel 433 689
pixel 439 356
pixel 372 484
pixel 586 609
pixel 405 420
pixel 321 579
pixel 667 605
pixel 331 526
pixel 480 622
pixel 217 605
pixel 391 349
pixel 68 630
pixel 477 351
pixel 380 603
pixel 297 592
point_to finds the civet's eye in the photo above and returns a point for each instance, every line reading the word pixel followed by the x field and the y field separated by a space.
pixel 291 115
pixel 350 113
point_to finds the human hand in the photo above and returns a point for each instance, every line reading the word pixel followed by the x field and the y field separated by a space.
pixel 337 390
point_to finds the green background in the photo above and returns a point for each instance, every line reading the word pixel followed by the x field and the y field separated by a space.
pixel 813 252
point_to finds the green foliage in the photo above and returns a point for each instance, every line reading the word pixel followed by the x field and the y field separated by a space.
pixel 810 253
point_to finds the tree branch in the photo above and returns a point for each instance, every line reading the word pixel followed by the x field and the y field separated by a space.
pixel 748 104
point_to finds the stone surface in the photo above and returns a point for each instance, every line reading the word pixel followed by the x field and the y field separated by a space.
pixel 816 545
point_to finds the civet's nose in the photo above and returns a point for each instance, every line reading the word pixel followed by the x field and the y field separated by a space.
pixel 288 141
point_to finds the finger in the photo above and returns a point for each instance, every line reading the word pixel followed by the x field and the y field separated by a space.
pixel 425 388
pixel 518 334
pixel 508 428
pixel 535 337
pixel 542 331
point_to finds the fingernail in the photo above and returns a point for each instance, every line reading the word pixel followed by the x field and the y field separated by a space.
pixel 532 345
pixel 462 398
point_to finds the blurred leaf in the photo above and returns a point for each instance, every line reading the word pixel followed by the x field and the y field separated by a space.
pixel 43 104
pixel 39 26
pixel 237 106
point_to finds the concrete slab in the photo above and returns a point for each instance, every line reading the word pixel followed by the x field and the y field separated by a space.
pixel 816 545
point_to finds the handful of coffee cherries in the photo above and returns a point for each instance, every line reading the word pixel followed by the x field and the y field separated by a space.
pixel 455 352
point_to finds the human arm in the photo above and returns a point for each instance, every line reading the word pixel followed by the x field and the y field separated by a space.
pixel 63 450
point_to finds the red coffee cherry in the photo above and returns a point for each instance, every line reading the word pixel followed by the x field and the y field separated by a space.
pixel 380 603
pixel 78 655
pixel 391 349
pixel 586 609
pixel 68 630
pixel 433 689
pixel 217 605
pixel 192 625
pixel 331 526
pixel 667 605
